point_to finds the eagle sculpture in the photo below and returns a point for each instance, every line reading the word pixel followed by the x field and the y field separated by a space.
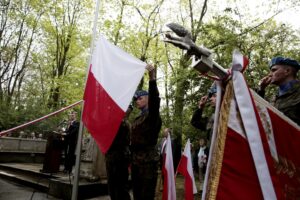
pixel 185 41
pixel 202 60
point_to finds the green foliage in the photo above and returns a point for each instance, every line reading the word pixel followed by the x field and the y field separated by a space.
pixel 47 49
pixel 55 68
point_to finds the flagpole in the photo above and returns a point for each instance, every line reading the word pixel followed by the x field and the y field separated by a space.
pixel 78 149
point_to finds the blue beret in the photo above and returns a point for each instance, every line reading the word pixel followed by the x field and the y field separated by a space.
pixel 212 90
pixel 284 61
pixel 140 93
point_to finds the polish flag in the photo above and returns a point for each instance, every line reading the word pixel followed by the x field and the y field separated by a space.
pixel 186 169
pixel 169 192
pixel 112 80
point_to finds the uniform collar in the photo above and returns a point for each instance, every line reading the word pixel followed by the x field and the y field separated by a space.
pixel 286 87
pixel 143 111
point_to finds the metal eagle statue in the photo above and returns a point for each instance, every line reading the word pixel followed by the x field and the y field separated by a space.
pixel 202 56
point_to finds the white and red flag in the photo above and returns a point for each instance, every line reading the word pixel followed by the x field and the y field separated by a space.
pixel 112 80
pixel 186 169
pixel 169 191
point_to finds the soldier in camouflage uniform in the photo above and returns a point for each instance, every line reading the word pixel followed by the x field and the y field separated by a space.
pixel 144 134
pixel 284 75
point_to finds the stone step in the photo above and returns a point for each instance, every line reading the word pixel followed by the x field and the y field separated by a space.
pixel 33 169
pixel 58 185
pixel 25 175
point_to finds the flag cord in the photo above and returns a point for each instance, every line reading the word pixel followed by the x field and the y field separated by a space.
pixel 3 133
pixel 78 149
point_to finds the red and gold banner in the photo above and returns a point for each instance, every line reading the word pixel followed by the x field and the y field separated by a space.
pixel 254 147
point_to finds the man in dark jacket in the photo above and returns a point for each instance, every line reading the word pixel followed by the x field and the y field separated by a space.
pixel 71 141
pixel 284 75
pixel 144 135
pixel 117 162
pixel 204 123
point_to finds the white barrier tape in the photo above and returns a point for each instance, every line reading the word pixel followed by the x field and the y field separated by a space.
pixel 2 133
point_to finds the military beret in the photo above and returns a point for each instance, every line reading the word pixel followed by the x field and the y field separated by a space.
pixel 212 90
pixel 140 93
pixel 284 61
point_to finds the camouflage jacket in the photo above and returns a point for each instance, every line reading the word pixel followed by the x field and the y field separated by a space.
pixel 289 103
pixel 145 130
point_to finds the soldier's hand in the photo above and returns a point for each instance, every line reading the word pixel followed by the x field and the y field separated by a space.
pixel 152 72
pixel 202 102
pixel 265 81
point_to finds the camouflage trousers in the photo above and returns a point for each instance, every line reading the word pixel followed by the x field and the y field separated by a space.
pixel 117 179
pixel 144 178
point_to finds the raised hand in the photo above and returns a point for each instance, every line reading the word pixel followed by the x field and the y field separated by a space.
pixel 265 81
pixel 152 71
pixel 202 102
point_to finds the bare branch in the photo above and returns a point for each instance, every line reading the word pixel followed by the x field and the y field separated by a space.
pixel 203 12
pixel 247 30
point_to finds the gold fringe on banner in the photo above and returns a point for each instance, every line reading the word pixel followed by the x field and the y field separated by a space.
pixel 219 145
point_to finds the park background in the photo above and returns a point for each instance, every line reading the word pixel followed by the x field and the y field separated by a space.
pixel 45 50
